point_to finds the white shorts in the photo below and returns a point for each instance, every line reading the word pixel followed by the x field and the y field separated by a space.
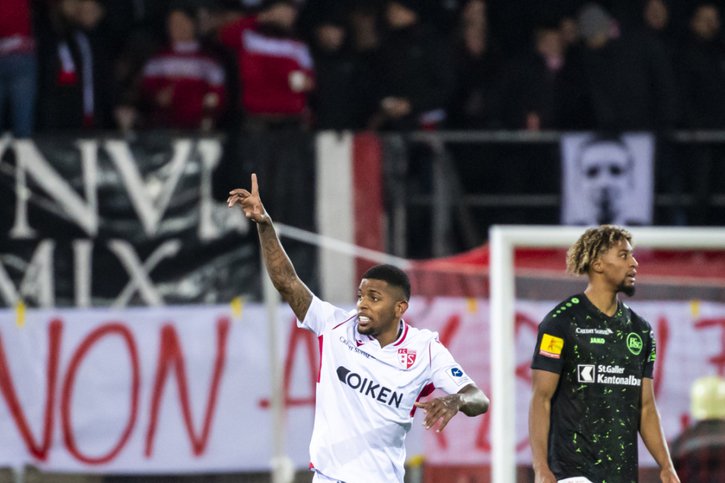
pixel 575 479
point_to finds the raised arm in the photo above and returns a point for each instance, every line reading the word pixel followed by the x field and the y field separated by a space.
pixel 653 436
pixel 280 268
pixel 544 385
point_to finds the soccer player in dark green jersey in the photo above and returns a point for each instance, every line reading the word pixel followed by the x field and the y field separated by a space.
pixel 592 374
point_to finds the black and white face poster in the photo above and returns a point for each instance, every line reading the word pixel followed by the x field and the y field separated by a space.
pixel 607 179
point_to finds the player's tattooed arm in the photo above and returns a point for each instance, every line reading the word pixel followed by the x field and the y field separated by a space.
pixel 282 272
pixel 279 266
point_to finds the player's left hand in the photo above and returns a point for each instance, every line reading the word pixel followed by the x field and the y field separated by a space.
pixel 250 202
pixel 440 410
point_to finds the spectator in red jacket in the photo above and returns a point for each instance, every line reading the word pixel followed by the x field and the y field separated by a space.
pixel 275 68
pixel 18 66
pixel 182 86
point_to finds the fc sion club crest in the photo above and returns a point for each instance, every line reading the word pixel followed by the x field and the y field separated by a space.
pixel 406 357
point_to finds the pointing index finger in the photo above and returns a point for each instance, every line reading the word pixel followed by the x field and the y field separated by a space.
pixel 255 187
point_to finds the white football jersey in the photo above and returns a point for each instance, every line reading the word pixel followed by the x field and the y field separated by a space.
pixel 365 394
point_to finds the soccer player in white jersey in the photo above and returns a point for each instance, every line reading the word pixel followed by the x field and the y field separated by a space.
pixel 374 368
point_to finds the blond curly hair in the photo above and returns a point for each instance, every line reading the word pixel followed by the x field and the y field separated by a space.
pixel 591 244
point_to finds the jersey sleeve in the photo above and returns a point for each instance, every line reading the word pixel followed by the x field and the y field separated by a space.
pixel 649 363
pixel 321 315
pixel 446 374
pixel 549 349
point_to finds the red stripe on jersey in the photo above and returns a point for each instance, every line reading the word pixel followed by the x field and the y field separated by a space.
pixel 344 322
pixel 402 337
pixel 319 367
pixel 427 390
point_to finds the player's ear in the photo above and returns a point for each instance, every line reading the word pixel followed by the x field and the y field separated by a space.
pixel 400 307
pixel 596 266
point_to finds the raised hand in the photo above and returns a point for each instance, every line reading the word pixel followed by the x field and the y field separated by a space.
pixel 250 203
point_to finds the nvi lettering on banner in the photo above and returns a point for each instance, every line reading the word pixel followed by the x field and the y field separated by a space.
pixel 79 191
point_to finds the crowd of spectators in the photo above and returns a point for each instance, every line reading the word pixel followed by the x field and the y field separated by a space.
pixel 360 64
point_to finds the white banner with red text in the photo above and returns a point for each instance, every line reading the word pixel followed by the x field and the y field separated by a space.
pixel 187 389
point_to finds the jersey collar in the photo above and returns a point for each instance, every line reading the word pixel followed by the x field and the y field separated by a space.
pixel 361 339
pixel 402 333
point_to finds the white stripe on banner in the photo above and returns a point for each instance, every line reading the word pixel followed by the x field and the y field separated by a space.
pixel 335 214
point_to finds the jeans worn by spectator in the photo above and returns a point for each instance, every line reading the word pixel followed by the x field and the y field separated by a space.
pixel 18 77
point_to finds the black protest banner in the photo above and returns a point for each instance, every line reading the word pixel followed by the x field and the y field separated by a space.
pixel 104 221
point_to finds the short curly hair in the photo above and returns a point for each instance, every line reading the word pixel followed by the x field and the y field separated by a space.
pixel 391 274
pixel 591 244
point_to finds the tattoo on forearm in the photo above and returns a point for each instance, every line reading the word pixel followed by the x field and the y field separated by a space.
pixel 282 272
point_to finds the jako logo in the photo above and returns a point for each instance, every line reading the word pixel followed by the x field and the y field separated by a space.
pixel 456 372
pixel 368 388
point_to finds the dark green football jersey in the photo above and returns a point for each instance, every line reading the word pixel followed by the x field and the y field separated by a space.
pixel 595 411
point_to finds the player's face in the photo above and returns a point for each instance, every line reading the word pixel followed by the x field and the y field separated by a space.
pixel 380 307
pixel 620 267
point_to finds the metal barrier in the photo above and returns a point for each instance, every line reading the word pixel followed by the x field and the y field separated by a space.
pixel 432 180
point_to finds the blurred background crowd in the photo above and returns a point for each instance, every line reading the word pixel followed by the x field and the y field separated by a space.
pixel 360 64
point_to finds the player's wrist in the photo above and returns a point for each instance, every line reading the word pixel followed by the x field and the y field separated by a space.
pixel 263 220
pixel 460 400
pixel 542 467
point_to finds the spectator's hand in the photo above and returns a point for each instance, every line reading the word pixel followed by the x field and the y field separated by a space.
pixel 309 84
pixel 211 101
pixel 125 117
pixel 165 97
pixel 396 107
pixel 250 203
pixel 300 82
pixel 440 410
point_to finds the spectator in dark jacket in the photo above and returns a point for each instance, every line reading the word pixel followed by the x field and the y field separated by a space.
pixel 657 22
pixel 700 70
pixel 75 74
pixel 630 80
pixel 340 99
pixel 478 64
pixel 414 73
pixel 532 87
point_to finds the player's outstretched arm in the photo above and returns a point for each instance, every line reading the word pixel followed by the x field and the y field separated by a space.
pixel 650 427
pixel 470 400
pixel 280 268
